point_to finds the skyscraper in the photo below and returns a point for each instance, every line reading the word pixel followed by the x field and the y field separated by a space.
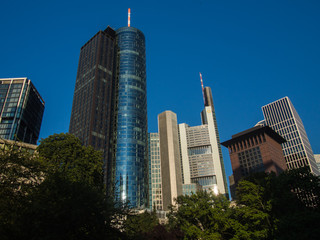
pixel 21 109
pixel 92 108
pixel 282 117
pixel 155 187
pixel 109 109
pixel 170 158
pixel 131 113
pixel 197 148
pixel 201 156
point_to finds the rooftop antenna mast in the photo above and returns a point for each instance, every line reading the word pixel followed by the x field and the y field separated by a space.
pixel 128 17
pixel 204 100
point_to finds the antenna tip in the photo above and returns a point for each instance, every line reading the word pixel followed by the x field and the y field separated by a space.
pixel 128 17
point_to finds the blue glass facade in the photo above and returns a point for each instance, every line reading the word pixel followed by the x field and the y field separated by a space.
pixel 131 165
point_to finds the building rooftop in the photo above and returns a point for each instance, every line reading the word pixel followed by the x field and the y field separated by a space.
pixel 253 131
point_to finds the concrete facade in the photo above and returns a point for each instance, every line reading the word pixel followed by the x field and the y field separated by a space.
pixel 170 158
pixel 155 189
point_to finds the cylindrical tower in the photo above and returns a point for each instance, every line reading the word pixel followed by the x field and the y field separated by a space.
pixel 131 173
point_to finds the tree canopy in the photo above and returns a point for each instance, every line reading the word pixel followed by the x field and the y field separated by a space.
pixel 64 153
pixel 56 193
pixel 267 207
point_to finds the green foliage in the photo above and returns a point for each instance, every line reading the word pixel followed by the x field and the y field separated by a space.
pixel 56 194
pixel 202 216
pixel 137 225
pixel 267 207
pixel 64 153
pixel 253 212
pixel 20 172
pixel 64 209
pixel 291 200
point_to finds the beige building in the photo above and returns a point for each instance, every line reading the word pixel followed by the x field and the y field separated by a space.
pixel 155 189
pixel 29 147
pixel 201 160
pixel 170 158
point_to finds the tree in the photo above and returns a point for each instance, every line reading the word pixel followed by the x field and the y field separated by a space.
pixel 20 173
pixel 252 211
pixel 291 200
pixel 136 226
pixel 202 216
pixel 56 194
pixel 63 209
pixel 64 153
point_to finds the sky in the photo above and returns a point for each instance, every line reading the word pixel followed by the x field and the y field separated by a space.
pixel 250 53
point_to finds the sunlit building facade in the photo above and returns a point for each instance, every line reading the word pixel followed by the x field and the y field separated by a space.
pixel 155 189
pixel 22 110
pixel 191 157
pixel 283 118
pixel 201 154
pixel 170 158
pixel 317 158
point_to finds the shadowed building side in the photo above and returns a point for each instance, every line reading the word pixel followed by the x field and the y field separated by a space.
pixel 91 114
pixel 21 110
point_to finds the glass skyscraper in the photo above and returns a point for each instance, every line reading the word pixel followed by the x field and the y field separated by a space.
pixel 283 118
pixel 21 110
pixel 131 142
pixel 109 109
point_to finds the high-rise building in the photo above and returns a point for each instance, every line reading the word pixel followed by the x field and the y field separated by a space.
pixel 282 117
pixel 131 165
pixel 155 189
pixel 109 109
pixel 317 158
pixel 21 109
pixel 92 108
pixel 199 153
pixel 170 158
pixel 257 149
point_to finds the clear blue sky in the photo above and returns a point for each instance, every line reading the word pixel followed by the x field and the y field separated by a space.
pixel 249 52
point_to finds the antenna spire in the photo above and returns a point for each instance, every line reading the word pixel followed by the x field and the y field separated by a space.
pixel 129 17
pixel 204 100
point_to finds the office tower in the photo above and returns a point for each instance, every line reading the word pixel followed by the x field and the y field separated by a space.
pixel 257 149
pixel 282 117
pixel 209 103
pixel 131 176
pixel 21 110
pixel 91 116
pixel 200 155
pixel 170 158
pixel 155 189
pixel 109 109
